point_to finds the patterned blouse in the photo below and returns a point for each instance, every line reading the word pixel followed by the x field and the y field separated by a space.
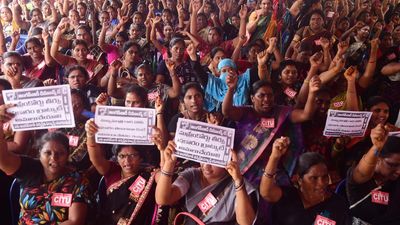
pixel 48 202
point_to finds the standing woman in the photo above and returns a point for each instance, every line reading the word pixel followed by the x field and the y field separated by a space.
pixel 373 186
pixel 45 180
pixel 310 201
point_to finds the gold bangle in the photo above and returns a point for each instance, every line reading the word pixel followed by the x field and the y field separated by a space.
pixel 335 149
pixel 269 175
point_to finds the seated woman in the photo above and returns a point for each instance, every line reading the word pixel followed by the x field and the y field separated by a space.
pixel 136 97
pixel 19 142
pixel 80 51
pixel 348 151
pixel 130 188
pixel 376 175
pixel 183 70
pixel 51 192
pixel 124 68
pixel 146 79
pixel 259 125
pixel 192 99
pixel 215 84
pixel 37 64
pixel 312 32
pixel 77 145
pixel 310 202
pixel 234 199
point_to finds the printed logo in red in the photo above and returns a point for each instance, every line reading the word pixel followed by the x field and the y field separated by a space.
pixel 391 56
pixel 6 126
pixel 73 140
pixel 61 200
pixel 268 122
pixel 338 104
pixel 321 220
pixel 290 92
pixel 138 186
pixel 380 197
pixel 152 96
pixel 207 203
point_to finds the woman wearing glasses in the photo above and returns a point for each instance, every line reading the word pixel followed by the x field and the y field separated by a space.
pixel 373 186
pixel 130 187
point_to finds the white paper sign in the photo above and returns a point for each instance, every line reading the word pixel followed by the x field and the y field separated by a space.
pixel 40 108
pixel 124 125
pixel 204 142
pixel 346 123
pixel 395 133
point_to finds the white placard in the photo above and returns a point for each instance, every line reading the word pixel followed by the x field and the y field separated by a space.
pixel 346 123
pixel 395 133
pixel 124 125
pixel 40 108
pixel 204 142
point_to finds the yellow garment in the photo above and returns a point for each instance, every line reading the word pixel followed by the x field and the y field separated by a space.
pixel 339 102
pixel 9 28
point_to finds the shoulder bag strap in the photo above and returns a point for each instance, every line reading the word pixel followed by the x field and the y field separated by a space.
pixel 193 217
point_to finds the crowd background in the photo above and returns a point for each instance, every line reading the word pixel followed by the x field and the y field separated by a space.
pixel 270 69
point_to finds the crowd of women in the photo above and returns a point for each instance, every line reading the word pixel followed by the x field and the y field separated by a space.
pixel 270 69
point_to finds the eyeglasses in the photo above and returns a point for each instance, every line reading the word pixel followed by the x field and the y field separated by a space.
pixel 391 165
pixel 129 156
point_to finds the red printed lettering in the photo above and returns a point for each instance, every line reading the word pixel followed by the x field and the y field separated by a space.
pixel 268 123
pixel 290 92
pixel 73 140
pixel 380 197
pixel 338 104
pixel 138 186
pixel 321 220
pixel 152 96
pixel 61 200
pixel 207 203
pixel 391 56
pixel 6 126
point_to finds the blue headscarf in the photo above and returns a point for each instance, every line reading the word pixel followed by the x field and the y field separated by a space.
pixel 216 87
pixel 226 62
